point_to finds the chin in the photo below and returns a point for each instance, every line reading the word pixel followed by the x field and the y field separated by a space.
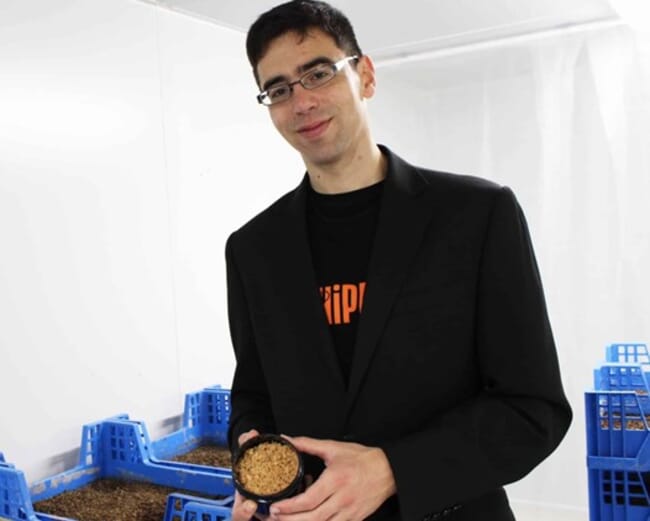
pixel 321 160
pixel 323 155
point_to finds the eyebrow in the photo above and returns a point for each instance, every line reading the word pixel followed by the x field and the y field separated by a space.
pixel 300 70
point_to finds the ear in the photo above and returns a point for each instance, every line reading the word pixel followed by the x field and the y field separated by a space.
pixel 368 82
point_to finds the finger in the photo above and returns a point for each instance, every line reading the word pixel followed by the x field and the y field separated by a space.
pixel 243 509
pixel 325 511
pixel 312 498
pixel 321 448
pixel 245 436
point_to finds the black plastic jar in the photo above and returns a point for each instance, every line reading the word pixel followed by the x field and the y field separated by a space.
pixel 265 501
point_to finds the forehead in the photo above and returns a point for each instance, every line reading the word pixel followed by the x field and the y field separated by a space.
pixel 286 53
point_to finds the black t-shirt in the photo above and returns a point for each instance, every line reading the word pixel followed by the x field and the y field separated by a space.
pixel 341 233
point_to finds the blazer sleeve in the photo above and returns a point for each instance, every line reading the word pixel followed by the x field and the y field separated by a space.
pixel 520 414
pixel 250 403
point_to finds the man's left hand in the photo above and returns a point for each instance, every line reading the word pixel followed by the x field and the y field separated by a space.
pixel 356 481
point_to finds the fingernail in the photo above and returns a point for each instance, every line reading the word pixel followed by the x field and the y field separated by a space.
pixel 275 511
pixel 250 507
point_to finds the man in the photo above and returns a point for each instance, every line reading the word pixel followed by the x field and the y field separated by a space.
pixel 389 319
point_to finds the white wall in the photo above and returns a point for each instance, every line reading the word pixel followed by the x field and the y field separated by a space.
pixel 130 146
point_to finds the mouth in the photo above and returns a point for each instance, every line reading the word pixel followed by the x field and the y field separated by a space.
pixel 315 129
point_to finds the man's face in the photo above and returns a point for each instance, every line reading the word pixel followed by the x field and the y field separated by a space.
pixel 325 124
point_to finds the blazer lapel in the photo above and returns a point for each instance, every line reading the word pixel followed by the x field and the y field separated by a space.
pixel 403 218
pixel 290 254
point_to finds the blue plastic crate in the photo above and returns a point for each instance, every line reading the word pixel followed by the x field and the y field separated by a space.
pixel 15 504
pixel 182 507
pixel 13 489
pixel 621 377
pixel 618 456
pixel 625 377
pixel 626 369
pixel 121 448
pixel 618 441
pixel 632 353
pixel 205 420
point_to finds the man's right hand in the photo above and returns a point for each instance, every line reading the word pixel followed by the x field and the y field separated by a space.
pixel 244 509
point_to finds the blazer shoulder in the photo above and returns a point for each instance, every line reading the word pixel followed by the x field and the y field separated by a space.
pixel 455 185
pixel 477 199
pixel 467 194
pixel 459 183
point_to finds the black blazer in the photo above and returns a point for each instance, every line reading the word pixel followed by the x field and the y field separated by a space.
pixel 454 375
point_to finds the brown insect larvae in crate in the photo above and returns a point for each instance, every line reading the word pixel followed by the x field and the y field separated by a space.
pixel 630 425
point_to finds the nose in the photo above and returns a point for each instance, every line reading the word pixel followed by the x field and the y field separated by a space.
pixel 303 100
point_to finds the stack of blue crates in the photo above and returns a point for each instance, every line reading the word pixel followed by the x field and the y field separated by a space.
pixel 618 444
pixel 121 448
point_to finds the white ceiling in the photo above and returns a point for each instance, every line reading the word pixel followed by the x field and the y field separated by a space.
pixel 390 29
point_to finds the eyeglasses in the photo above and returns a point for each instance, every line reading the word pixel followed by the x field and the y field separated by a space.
pixel 312 79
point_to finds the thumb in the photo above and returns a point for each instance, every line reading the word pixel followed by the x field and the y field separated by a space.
pixel 249 507
pixel 247 436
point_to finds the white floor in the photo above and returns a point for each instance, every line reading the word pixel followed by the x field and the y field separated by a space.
pixel 532 512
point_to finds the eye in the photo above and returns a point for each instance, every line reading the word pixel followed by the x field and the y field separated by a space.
pixel 318 74
pixel 278 91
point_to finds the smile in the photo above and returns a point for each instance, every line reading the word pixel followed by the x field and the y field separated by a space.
pixel 314 130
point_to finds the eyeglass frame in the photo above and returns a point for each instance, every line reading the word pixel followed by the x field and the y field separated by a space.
pixel 336 68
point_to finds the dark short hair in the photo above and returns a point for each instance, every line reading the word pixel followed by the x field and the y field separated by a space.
pixel 299 16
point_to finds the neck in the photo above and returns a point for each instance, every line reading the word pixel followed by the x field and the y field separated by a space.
pixel 365 166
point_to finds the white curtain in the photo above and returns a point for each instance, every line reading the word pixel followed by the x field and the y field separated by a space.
pixel 564 119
